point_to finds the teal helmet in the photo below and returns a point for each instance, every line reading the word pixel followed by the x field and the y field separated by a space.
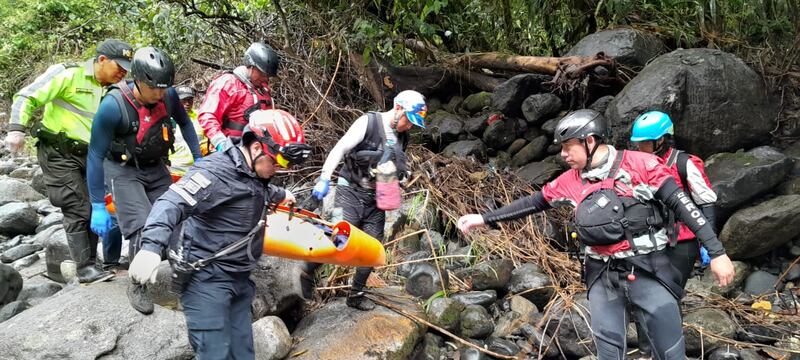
pixel 651 125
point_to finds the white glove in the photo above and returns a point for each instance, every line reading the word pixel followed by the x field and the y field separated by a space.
pixel 289 198
pixel 144 267
pixel 15 141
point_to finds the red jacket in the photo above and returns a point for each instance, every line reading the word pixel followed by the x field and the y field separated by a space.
pixel 638 170
pixel 226 102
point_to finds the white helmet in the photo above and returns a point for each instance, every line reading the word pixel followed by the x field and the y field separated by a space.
pixel 413 104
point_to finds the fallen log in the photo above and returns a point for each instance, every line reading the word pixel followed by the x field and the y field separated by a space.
pixel 537 64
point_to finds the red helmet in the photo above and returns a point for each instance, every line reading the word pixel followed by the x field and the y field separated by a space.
pixel 280 134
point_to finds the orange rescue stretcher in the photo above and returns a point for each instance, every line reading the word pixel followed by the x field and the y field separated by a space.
pixel 302 235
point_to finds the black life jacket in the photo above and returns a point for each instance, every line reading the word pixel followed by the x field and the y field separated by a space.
pixel 605 218
pixel 359 162
pixel 262 100
pixel 146 132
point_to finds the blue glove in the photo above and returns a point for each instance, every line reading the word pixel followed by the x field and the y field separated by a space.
pixel 705 260
pixel 101 222
pixel 321 189
pixel 196 160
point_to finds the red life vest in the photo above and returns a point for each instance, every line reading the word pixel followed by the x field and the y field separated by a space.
pixel 146 132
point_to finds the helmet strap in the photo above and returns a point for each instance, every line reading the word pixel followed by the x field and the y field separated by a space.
pixel 660 148
pixel 253 159
pixel 589 155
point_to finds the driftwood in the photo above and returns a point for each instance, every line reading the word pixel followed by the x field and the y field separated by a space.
pixel 535 64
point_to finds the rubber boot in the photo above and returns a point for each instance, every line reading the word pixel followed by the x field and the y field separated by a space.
pixel 80 249
pixel 307 279
pixel 356 297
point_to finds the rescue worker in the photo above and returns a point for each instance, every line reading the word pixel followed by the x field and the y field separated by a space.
pixel 234 94
pixel 220 205
pixel 652 133
pixel 625 265
pixel 181 159
pixel 362 147
pixel 70 94
pixel 132 130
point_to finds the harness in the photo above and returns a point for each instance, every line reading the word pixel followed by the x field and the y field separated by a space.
pixel 605 218
pixel 359 162
pixel 146 133
pixel 260 102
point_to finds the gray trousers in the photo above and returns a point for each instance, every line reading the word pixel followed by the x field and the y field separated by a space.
pixel 134 191
pixel 654 307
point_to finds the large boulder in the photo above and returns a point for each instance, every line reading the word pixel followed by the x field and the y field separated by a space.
pixel 760 283
pixel 52 219
pixel 532 283
pixel 501 133
pixel 19 252
pixel 13 190
pixel 535 150
pixel 757 230
pixel 36 292
pixel 707 284
pixel 278 285
pixel 627 46
pixel 13 309
pixel 10 284
pixel 507 98
pixel 490 274
pixel 443 128
pixel 709 320
pixel 91 322
pixel 539 173
pixel 476 323
pixel 425 280
pixel 570 329
pixel 482 298
pixel 705 92
pixel 539 107
pixel 739 177
pixel 337 331
pixel 466 148
pixel 271 338
pixel 477 102
pixel 445 313
pixel 18 218
pixel 518 314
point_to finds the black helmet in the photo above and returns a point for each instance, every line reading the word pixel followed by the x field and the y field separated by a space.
pixel 184 92
pixel 581 124
pixel 153 67
pixel 263 58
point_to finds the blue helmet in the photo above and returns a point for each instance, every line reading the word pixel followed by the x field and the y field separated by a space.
pixel 413 104
pixel 651 125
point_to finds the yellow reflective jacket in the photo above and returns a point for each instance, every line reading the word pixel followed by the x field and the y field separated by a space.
pixel 70 95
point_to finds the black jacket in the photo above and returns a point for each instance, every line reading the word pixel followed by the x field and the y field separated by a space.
pixel 218 202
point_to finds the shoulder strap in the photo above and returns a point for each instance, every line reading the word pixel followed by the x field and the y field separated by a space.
pixel 682 159
pixel 374 124
pixel 612 173
pixel 123 109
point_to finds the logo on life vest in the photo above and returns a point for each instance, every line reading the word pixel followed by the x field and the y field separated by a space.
pixel 147 118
